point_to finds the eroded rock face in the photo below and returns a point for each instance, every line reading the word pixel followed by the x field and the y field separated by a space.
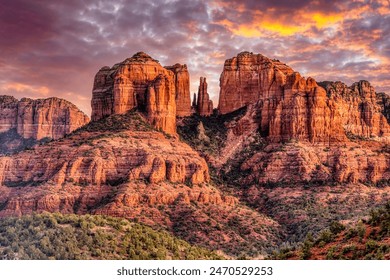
pixel 318 164
pixel 182 89
pixel 153 158
pixel 287 106
pixel 160 104
pixel 357 108
pixel 204 106
pixel 249 77
pixel 40 118
pixel 131 83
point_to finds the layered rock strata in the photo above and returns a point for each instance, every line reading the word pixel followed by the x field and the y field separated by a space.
pixel 141 82
pixel 128 159
pixel 358 109
pixel 287 106
pixel 41 118
pixel 182 89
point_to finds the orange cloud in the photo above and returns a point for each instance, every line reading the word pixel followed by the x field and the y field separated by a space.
pixel 19 87
pixel 265 25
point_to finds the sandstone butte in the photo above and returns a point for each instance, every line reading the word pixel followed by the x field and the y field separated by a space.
pixel 288 106
pixel 141 82
pixel 314 132
pixel 41 118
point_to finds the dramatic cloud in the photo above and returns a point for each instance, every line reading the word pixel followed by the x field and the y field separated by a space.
pixel 54 48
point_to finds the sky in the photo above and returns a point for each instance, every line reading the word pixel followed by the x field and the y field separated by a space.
pixel 55 47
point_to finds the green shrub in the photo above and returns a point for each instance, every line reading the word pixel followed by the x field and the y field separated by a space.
pixel 57 236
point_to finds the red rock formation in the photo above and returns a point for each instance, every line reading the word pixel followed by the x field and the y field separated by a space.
pixel 8 113
pixel 300 162
pixel 358 109
pixel 40 118
pixel 182 89
pixel 204 106
pixel 248 78
pixel 160 104
pixel 145 165
pixel 129 84
pixel 288 106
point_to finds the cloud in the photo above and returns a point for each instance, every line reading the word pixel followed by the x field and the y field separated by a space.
pixel 22 88
pixel 55 48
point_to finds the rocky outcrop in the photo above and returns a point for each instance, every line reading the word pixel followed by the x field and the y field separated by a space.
pixel 287 106
pixel 41 118
pixel 248 78
pixel 357 108
pixel 141 82
pixel 204 106
pixel 102 164
pixel 137 82
pixel 182 89
pixel 95 171
pixel 318 164
pixel 160 104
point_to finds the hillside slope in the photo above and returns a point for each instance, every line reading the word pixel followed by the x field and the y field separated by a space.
pixel 63 237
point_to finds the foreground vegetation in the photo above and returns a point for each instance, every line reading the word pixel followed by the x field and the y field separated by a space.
pixel 58 236
pixel 368 239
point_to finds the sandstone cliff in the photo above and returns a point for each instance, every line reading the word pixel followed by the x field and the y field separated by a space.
pixel 204 106
pixel 182 89
pixel 130 84
pixel 358 109
pixel 103 154
pixel 141 82
pixel 40 118
pixel 248 78
pixel 120 166
pixel 287 106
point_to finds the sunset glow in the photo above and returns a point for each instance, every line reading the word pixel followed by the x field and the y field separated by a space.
pixel 52 50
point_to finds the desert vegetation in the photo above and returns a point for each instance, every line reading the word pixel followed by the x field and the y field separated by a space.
pixel 58 236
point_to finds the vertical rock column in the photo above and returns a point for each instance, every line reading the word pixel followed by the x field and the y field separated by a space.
pixel 204 105
pixel 182 89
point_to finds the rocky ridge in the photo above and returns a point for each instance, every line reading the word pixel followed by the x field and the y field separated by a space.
pixel 25 122
pixel 40 118
pixel 286 106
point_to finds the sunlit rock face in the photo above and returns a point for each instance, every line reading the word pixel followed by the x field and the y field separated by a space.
pixel 288 106
pixel 41 118
pixel 202 104
pixel 141 82
pixel 182 89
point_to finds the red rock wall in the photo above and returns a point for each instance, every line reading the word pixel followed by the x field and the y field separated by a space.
pixel 358 109
pixel 204 106
pixel 127 85
pixel 161 104
pixel 40 118
pixel 289 106
pixel 182 88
